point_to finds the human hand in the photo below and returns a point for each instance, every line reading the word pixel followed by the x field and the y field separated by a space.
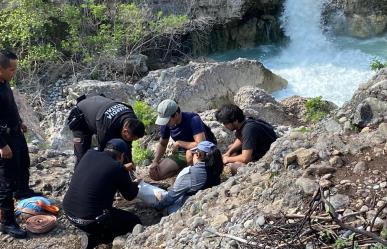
pixel 130 166
pixel 158 195
pixel 175 147
pixel 6 152
pixel 225 159
pixel 23 127
pixel 154 171
pixel 137 180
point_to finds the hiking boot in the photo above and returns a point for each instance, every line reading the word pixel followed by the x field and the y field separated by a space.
pixel 9 225
pixel 26 194
pixel 14 230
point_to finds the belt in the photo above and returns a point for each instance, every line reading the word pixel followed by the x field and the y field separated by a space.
pixel 80 221
pixel 9 130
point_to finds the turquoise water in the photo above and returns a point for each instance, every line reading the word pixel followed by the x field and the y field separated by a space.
pixel 315 64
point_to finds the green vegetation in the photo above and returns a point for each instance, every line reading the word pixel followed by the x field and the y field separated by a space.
pixel 140 154
pixel 316 109
pixel 378 246
pixel 342 243
pixel 147 115
pixel 377 65
pixel 303 129
pixel 43 32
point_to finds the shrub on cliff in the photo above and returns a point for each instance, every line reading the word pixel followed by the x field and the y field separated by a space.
pixel 377 65
pixel 316 109
pixel 45 32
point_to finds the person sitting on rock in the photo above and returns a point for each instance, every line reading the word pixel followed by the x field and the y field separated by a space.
pixel 89 198
pixel 204 173
pixel 253 137
pixel 106 118
pixel 186 129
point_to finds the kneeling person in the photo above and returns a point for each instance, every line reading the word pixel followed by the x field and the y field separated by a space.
pixel 253 137
pixel 187 130
pixel 107 119
pixel 88 203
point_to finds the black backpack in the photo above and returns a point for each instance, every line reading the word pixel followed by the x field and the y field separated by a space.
pixel 268 128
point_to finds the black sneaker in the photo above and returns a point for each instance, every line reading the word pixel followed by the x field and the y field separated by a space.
pixel 26 194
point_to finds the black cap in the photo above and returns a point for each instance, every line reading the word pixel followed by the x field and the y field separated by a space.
pixel 119 145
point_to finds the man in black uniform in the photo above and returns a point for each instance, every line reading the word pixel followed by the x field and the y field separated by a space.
pixel 89 199
pixel 106 118
pixel 14 161
pixel 253 137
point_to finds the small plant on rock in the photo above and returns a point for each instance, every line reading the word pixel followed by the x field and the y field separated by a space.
pixel 377 65
pixel 140 153
pixel 145 113
pixel 316 109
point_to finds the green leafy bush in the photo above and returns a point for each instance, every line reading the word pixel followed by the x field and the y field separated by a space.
pixel 140 154
pixel 377 65
pixel 45 32
pixel 316 109
pixel 145 113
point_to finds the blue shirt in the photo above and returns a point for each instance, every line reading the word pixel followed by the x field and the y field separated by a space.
pixel 189 181
pixel 191 125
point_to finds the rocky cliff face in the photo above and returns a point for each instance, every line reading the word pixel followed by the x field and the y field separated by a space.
pixel 236 24
pixel 225 24
pixel 357 18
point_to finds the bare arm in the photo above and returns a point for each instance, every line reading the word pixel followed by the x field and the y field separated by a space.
pixel 245 157
pixel 234 147
pixel 161 148
pixel 189 145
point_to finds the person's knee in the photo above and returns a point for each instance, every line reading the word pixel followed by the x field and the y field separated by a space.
pixel 234 167
pixel 166 168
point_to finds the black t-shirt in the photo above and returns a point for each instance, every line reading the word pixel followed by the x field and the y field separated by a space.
pixel 256 135
pixel 92 189
pixel 9 114
pixel 105 118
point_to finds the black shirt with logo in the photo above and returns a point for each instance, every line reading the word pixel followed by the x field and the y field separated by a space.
pixel 256 135
pixel 105 117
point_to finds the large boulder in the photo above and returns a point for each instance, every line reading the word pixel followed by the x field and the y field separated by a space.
pixel 203 86
pixel 112 89
pixel 368 106
pixel 357 18
pixel 257 103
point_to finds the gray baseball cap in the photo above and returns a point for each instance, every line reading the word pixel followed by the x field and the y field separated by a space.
pixel 165 110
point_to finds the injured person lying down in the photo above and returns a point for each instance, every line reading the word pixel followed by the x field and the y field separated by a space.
pixel 204 173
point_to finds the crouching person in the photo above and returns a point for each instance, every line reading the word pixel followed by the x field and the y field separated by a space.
pixel 204 173
pixel 88 203
pixel 253 137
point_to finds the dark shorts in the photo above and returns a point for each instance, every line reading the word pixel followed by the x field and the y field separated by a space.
pixel 179 158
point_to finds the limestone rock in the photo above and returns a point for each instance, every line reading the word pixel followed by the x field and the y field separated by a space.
pixel 356 17
pixel 202 86
pixel 112 89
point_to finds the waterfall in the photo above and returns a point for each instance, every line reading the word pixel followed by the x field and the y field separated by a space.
pixel 314 64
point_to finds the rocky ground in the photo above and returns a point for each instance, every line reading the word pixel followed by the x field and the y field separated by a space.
pixel 345 154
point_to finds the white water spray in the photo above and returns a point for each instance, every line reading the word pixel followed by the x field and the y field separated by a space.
pixel 314 65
